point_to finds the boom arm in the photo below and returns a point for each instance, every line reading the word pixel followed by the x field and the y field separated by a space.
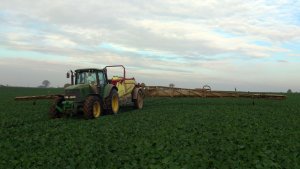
pixel 42 97
pixel 160 91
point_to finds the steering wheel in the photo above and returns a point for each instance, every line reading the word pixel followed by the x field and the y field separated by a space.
pixel 92 82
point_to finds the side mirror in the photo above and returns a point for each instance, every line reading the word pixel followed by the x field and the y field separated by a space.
pixel 68 75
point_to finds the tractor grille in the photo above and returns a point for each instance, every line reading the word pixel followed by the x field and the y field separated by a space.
pixel 69 95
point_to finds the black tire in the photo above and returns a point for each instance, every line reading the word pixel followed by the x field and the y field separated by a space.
pixel 139 101
pixel 53 112
pixel 92 107
pixel 113 102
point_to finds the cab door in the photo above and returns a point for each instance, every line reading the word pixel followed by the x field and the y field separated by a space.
pixel 101 82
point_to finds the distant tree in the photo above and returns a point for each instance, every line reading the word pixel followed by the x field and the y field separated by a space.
pixel 46 83
pixel 171 85
pixel 289 91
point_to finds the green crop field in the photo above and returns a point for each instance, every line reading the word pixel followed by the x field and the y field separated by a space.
pixel 167 133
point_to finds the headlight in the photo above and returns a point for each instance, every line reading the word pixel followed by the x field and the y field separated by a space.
pixel 70 97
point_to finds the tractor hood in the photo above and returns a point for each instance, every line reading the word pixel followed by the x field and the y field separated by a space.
pixel 78 86
pixel 79 91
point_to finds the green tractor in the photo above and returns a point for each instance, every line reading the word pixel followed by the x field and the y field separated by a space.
pixel 93 94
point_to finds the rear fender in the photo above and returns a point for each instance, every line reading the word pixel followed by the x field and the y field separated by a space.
pixel 107 89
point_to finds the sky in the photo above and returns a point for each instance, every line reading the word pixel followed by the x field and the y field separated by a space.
pixel 227 44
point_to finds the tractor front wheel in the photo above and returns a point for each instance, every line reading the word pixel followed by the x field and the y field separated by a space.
pixel 56 107
pixel 92 107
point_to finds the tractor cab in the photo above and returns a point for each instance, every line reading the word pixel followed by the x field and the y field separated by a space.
pixel 85 82
pixel 87 76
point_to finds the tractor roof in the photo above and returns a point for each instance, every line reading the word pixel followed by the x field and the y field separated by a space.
pixel 88 69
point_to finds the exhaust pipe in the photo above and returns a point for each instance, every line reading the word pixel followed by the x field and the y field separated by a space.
pixel 72 76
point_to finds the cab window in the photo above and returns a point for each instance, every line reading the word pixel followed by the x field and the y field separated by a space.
pixel 101 78
pixel 86 78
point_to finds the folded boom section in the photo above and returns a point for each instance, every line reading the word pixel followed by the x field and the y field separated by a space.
pixel 160 91
pixel 41 97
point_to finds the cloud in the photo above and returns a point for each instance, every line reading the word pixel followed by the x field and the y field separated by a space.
pixel 294 54
pixel 181 37
pixel 185 28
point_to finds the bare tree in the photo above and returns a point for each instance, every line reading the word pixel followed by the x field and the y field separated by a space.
pixel 46 83
pixel 171 85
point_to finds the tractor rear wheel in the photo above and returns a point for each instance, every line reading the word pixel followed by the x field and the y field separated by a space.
pixel 54 112
pixel 92 107
pixel 114 102
pixel 139 101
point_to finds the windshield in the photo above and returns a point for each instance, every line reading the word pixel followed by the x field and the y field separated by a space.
pixel 86 78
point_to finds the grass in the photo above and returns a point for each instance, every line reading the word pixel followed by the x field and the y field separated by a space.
pixel 167 133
